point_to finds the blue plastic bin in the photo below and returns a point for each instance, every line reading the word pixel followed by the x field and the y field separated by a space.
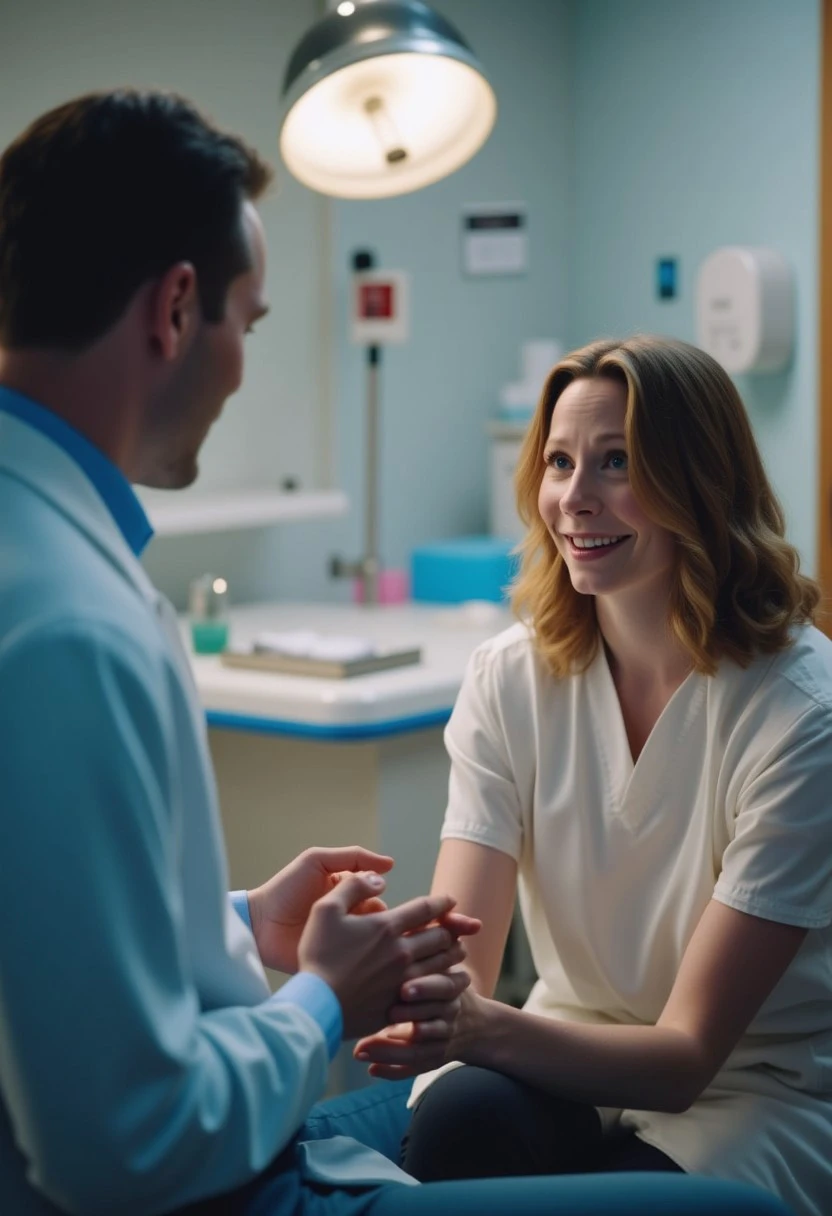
pixel 465 568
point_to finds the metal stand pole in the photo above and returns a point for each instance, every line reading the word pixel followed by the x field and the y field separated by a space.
pixel 370 561
pixel 367 568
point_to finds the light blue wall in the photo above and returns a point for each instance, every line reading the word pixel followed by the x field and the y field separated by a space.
pixel 632 129
pixel 695 124
pixel 228 59
pixel 439 389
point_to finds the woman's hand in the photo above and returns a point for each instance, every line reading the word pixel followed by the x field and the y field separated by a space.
pixel 447 1019
pixel 280 907
pixel 367 960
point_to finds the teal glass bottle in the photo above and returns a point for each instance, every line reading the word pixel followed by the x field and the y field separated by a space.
pixel 208 614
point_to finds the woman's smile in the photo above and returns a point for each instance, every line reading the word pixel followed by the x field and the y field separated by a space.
pixel 586 548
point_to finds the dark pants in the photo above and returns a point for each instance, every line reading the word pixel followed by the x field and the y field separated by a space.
pixel 475 1123
pixel 378 1117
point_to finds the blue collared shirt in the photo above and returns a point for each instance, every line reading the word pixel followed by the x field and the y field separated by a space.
pixel 114 488
pixel 305 989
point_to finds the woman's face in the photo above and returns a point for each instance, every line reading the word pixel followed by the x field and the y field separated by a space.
pixel 608 543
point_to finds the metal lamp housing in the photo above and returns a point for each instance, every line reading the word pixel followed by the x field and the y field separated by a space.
pixel 380 99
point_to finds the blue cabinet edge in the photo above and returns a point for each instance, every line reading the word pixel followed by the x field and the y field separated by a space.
pixel 343 732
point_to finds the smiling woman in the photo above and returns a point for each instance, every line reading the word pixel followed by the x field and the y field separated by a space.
pixel 603 534
pixel 647 756
pixel 693 495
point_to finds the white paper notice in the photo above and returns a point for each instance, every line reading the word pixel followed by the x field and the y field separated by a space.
pixel 495 238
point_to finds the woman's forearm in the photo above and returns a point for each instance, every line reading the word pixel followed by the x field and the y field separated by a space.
pixel 636 1067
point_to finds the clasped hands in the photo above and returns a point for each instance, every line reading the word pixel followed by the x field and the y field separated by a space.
pixel 395 971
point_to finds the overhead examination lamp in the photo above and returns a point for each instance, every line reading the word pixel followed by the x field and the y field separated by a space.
pixel 382 97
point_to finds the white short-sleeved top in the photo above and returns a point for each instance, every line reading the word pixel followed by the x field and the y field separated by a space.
pixel 730 798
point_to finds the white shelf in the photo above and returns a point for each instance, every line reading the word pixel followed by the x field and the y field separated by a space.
pixel 507 428
pixel 182 513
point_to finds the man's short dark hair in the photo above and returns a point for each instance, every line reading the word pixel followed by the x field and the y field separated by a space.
pixel 107 192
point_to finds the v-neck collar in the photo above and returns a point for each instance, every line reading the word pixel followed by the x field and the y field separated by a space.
pixel 631 781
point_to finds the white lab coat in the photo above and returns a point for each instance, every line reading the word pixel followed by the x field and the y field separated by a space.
pixel 141 1064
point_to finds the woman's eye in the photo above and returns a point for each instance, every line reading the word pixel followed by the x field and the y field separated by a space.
pixel 618 461
pixel 557 460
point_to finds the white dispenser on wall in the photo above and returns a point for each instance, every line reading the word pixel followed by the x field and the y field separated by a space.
pixel 745 309
pixel 506 441
pixel 517 405
pixel 537 358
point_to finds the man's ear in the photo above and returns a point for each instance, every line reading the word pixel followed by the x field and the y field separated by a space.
pixel 174 311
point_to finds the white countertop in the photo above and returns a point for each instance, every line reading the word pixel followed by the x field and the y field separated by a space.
pixel 369 706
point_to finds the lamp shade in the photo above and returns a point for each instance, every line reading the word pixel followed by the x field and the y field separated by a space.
pixel 382 97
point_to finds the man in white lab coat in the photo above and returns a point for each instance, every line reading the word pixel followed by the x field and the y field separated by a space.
pixel 144 1065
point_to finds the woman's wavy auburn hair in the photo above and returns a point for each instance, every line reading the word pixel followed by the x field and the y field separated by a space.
pixel 696 470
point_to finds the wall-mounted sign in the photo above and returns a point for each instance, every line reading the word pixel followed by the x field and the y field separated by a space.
pixel 380 311
pixel 495 238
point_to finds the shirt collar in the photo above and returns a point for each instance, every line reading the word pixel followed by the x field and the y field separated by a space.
pixel 111 484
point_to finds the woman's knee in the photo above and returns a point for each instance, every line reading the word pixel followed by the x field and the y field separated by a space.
pixel 474 1123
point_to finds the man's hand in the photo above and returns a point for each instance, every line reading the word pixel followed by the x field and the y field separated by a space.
pixel 280 907
pixel 406 1048
pixel 367 960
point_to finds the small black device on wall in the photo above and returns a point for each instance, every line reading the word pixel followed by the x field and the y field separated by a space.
pixel 667 278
